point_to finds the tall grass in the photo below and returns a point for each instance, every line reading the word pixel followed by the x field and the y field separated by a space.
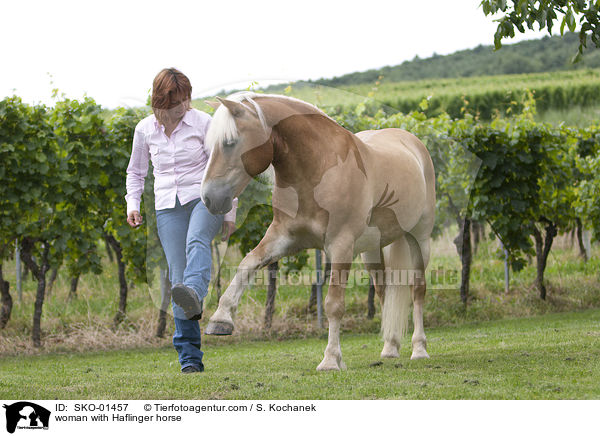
pixel 85 323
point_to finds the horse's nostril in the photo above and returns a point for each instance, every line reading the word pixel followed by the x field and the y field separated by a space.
pixel 207 202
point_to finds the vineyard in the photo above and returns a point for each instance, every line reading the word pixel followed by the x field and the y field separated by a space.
pixel 511 179
pixel 486 97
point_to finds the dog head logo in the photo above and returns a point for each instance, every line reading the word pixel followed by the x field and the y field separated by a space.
pixel 26 415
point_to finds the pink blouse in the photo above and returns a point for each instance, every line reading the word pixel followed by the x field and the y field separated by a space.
pixel 179 161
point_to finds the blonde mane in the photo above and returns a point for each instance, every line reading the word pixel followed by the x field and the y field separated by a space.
pixel 223 126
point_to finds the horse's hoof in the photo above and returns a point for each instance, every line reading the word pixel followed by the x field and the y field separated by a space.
pixel 218 328
pixel 328 368
pixel 389 351
pixel 331 365
pixel 419 354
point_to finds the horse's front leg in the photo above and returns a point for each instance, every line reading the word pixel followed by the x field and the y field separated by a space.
pixel 340 254
pixel 273 246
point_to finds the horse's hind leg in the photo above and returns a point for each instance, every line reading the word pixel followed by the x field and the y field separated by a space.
pixel 420 255
pixel 374 262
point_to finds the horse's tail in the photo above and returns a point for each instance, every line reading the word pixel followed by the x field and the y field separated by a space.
pixel 397 297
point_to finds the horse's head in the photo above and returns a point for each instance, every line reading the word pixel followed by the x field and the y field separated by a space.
pixel 241 149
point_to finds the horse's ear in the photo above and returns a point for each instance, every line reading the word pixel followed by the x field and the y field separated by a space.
pixel 213 104
pixel 234 107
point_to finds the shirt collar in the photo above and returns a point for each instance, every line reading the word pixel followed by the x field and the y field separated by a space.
pixel 187 118
pixel 157 125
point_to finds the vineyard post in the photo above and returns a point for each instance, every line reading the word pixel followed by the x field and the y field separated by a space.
pixel 217 268
pixel 371 299
pixel 165 298
pixel 466 256
pixel 506 270
pixel 73 287
pixel 19 270
pixel 319 268
pixel 271 292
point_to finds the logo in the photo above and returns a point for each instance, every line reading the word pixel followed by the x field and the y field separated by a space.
pixel 25 415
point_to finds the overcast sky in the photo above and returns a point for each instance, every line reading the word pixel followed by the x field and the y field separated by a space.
pixel 111 50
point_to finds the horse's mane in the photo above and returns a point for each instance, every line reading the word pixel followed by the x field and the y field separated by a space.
pixel 223 126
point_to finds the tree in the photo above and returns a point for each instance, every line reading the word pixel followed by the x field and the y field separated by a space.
pixel 588 148
pixel 588 180
pixel 18 122
pixel 37 194
pixel 557 194
pixel 129 247
pixel 518 13
pixel 79 131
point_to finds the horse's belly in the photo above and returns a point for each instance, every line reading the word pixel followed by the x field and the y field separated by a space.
pixel 381 230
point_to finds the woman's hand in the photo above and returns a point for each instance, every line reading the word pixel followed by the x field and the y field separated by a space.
pixel 134 219
pixel 228 229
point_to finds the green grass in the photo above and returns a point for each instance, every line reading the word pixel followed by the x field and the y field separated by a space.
pixel 547 357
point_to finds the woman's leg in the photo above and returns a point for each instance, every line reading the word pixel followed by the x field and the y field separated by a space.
pixel 202 229
pixel 172 230
pixel 172 227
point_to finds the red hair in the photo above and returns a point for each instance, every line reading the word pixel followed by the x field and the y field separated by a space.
pixel 170 88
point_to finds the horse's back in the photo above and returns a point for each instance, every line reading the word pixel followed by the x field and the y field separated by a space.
pixel 394 155
pixel 389 140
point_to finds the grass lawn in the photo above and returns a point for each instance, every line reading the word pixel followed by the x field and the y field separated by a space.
pixel 555 356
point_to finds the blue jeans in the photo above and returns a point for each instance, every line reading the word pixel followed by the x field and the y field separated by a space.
pixel 186 233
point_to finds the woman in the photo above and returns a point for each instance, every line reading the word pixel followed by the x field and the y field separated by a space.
pixel 173 137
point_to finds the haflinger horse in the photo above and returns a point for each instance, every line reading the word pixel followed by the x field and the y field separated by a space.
pixel 372 193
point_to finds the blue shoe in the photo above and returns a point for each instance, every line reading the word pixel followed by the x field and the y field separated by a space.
pixel 186 298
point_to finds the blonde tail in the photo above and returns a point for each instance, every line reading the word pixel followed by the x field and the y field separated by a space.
pixel 397 297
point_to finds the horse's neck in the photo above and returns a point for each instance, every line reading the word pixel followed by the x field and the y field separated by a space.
pixel 279 108
pixel 301 125
pixel 305 141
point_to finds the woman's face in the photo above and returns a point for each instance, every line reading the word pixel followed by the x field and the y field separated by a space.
pixel 174 114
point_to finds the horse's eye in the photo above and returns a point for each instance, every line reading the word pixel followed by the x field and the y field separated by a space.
pixel 229 142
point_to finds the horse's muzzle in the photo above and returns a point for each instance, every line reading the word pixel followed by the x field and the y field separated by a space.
pixel 217 197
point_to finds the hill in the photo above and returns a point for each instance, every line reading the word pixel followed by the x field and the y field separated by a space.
pixel 488 81
pixel 533 56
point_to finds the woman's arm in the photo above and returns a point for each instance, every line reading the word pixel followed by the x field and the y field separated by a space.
pixel 230 216
pixel 136 172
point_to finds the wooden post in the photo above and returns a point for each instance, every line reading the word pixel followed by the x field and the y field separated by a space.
pixel 371 299
pixel 320 280
pixel 466 258
pixel 217 269
pixel 19 270
pixel 506 270
pixel 271 292
pixel 165 299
